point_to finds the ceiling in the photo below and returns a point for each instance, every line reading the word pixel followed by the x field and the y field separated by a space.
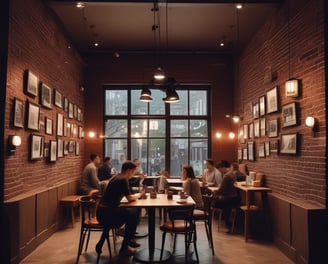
pixel 183 27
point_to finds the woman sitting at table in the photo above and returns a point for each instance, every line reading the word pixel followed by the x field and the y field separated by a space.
pixel 191 185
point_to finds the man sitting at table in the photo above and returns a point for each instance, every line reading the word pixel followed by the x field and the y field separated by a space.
pixel 110 214
pixel 211 175
pixel 226 196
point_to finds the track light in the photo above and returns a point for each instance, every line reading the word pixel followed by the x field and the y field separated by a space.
pixel 145 95
pixel 159 74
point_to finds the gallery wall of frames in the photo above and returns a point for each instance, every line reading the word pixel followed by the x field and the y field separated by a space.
pixel 267 133
pixel 63 133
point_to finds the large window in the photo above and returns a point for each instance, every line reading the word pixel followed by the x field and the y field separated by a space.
pixel 160 135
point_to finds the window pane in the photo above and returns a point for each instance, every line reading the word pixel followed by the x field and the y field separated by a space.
pixel 116 102
pixel 179 155
pixel 157 106
pixel 198 128
pixel 198 154
pixel 116 149
pixel 139 128
pixel 116 128
pixel 156 155
pixel 198 103
pixel 156 128
pixel 138 107
pixel 181 107
pixel 179 128
pixel 139 151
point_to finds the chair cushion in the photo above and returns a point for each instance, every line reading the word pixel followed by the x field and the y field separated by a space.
pixel 178 226
pixel 198 213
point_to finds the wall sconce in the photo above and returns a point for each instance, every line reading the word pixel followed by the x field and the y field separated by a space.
pixel 291 88
pixel 312 122
pixel 13 142
pixel 232 135
pixel 92 134
pixel 218 135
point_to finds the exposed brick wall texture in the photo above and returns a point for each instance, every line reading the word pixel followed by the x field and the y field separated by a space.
pixel 37 43
pixel 301 176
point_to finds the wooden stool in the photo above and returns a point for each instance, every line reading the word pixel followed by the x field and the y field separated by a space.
pixel 70 202
pixel 233 215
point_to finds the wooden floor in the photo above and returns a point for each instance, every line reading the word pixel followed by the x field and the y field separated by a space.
pixel 229 248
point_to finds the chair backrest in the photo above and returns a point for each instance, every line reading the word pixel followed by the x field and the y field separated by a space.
pixel 207 200
pixel 88 206
pixel 182 213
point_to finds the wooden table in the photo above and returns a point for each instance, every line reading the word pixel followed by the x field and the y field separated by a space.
pixel 248 207
pixel 152 254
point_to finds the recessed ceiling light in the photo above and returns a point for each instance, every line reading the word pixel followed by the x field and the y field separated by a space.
pixel 239 6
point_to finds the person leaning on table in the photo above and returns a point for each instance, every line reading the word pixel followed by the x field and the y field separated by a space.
pixel 211 175
pixel 191 185
pixel 110 214
pixel 226 196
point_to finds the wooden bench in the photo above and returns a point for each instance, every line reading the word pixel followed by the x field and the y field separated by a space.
pixel 70 203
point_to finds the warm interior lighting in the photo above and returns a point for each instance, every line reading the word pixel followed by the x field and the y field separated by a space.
pixel 92 134
pixel 13 142
pixel 239 6
pixel 235 119
pixel 145 95
pixel 218 135
pixel 79 5
pixel 171 96
pixel 159 74
pixel 310 121
pixel 232 135
pixel 222 43
pixel 16 141
pixel 291 88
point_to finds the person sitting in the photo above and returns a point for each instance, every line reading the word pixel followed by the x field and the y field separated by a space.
pixel 211 175
pixel 191 185
pixel 238 174
pixel 110 214
pixel 226 196
pixel 162 181
pixel 89 182
pixel 105 171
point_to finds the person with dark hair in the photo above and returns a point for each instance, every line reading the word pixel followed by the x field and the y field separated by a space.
pixel 89 182
pixel 238 174
pixel 226 196
pixel 211 175
pixel 105 171
pixel 110 214
pixel 191 185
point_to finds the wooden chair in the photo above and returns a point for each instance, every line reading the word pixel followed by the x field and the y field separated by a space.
pixel 205 216
pixel 181 222
pixel 89 223
pixel 219 212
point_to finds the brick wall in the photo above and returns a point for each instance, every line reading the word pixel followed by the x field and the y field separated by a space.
pixel 36 43
pixel 264 64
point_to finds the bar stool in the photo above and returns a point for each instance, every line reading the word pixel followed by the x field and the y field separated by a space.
pixel 219 211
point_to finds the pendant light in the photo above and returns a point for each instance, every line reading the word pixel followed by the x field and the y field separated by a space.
pixel 171 94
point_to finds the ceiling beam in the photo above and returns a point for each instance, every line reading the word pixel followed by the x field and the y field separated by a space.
pixel 180 1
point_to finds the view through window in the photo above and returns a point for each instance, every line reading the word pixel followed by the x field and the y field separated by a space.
pixel 161 136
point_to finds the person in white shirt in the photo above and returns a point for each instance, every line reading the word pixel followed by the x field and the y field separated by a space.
pixel 211 175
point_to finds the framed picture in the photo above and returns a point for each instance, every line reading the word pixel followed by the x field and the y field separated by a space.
pixel 81 133
pixel 262 105
pixel 241 135
pixel 71 146
pixel 256 128
pixel 66 104
pixel 77 148
pixel 273 128
pixel 289 115
pixel 36 150
pixel 74 132
pixel 250 150
pixel 18 113
pixel 267 148
pixel 45 98
pixel 60 122
pixel 68 129
pixel 31 83
pixel 245 156
pixel 53 151
pixel 240 154
pixel 262 127
pixel 75 111
pixel 256 113
pixel 46 150
pixel 64 127
pixel 272 100
pixel 66 148
pixel 274 146
pixel 60 148
pixel 58 99
pixel 251 130
pixel 79 114
pixel 70 110
pixel 33 116
pixel 261 150
pixel 48 126
pixel 288 143
pixel 245 131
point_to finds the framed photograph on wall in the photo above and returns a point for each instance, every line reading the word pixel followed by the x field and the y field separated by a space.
pixel 262 127
pixel 79 114
pixel 262 105
pixel 274 146
pixel 75 111
pixel 33 116
pixel 53 151
pixel 60 123
pixel 273 128
pixel 18 113
pixel 245 131
pixel 77 148
pixel 261 150
pixel 256 113
pixel 241 135
pixel 65 127
pixel 66 104
pixel 60 148
pixel 240 154
pixel 46 150
pixel 251 130
pixel 31 83
pixel 66 147
pixel 250 150
pixel 58 99
pixel 70 110
pixel 288 143
pixel 289 117
pixel 71 146
pixel 45 98
pixel 48 126
pixel 36 149
pixel 272 100
pixel 256 128
pixel 267 148
pixel 245 156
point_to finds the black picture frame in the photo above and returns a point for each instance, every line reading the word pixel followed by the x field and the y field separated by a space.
pixel 70 110
pixel 261 150
pixel 267 148
pixel 46 96
pixel 289 143
pixel 71 146
pixel 58 99
pixel 273 128
pixel 66 104
pixel 262 107
pixel 245 154
pixel 31 83
pixel 274 146
pixel 60 148
pixel 53 151
pixel 60 124
pixel 36 147
pixel 262 127
pixel 272 100
pixel 77 148
pixel 33 116
pixel 18 117
pixel 256 113
pixel 49 126
pixel 250 150
pixel 289 115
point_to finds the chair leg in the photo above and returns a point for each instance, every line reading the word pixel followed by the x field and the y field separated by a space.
pixel 87 242
pixel 81 242
pixel 195 245
pixel 209 223
pixel 163 244
pixel 233 216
